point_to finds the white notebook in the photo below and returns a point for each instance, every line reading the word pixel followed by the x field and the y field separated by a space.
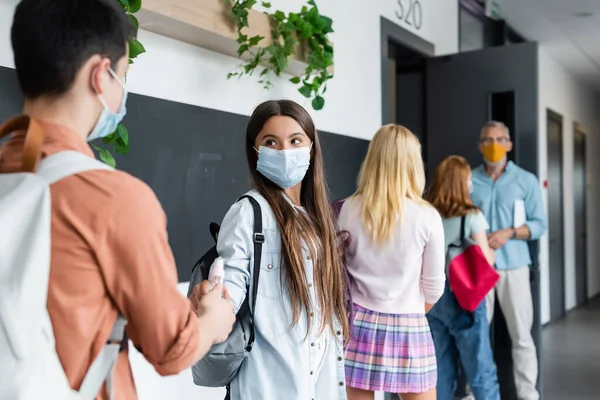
pixel 519 216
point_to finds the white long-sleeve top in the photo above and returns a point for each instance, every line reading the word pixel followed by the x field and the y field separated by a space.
pixel 400 276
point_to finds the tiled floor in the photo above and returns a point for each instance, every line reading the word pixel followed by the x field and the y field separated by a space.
pixel 571 355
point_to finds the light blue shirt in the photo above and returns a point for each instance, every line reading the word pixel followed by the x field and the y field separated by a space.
pixel 284 362
pixel 497 201
pixel 474 223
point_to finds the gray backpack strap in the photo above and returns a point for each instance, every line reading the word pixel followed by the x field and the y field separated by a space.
pixel 103 368
pixel 67 163
pixel 52 169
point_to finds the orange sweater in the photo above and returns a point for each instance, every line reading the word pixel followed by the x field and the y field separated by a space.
pixel 110 253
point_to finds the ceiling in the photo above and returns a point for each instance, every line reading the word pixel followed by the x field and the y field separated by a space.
pixel 572 40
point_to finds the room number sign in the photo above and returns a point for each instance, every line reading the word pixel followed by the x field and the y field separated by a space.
pixel 410 12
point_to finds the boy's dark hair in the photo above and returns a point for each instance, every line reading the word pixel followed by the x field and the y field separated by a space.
pixel 52 39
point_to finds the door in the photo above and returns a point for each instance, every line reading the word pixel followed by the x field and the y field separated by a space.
pixel 555 213
pixel 580 194
pixel 463 92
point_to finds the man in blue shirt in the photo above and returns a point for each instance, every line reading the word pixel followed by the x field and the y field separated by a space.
pixel 511 200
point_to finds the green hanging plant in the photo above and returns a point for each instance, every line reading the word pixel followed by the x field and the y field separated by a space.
pixel 307 27
pixel 119 139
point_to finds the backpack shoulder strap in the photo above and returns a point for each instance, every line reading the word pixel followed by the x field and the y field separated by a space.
pixel 66 163
pixel 52 169
pixel 462 227
pixel 103 368
pixel 34 139
pixel 258 238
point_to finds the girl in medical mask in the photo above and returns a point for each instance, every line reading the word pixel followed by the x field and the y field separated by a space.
pixel 300 319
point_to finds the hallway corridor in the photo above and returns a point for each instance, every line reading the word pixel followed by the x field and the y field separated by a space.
pixel 571 355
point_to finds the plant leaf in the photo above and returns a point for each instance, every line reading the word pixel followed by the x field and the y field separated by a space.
pixel 305 91
pixel 328 24
pixel 95 147
pixel 124 4
pixel 287 31
pixel 306 30
pixel 316 83
pixel 123 134
pixel 107 158
pixel 242 49
pixel 254 40
pixel 279 16
pixel 134 21
pixel 135 48
pixel 313 15
pixel 134 5
pixel 318 103
pixel 121 147
pixel 110 138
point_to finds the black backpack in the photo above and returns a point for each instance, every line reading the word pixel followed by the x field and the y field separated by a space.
pixel 221 363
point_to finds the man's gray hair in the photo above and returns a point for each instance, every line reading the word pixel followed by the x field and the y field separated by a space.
pixel 495 124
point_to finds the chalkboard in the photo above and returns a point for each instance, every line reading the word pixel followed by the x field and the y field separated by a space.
pixel 194 160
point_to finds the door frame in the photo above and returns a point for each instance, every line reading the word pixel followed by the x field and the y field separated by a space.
pixel 556 117
pixel 392 32
pixel 579 130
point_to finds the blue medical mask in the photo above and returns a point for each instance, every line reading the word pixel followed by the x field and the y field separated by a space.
pixel 109 120
pixel 285 168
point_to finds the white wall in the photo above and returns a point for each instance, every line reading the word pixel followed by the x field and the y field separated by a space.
pixel 575 102
pixel 180 72
pixel 353 99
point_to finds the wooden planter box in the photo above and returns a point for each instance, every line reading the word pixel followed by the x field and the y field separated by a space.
pixel 208 24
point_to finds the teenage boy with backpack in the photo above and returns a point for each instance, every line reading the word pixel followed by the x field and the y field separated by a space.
pixel 109 249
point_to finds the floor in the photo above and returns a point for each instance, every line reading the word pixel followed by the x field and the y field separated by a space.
pixel 571 355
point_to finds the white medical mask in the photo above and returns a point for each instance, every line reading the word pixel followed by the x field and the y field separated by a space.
pixel 285 168
pixel 470 186
pixel 109 120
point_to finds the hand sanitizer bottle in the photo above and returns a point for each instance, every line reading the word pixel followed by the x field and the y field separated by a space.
pixel 217 272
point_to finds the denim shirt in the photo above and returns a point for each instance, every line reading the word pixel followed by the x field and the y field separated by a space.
pixel 284 361
pixel 497 201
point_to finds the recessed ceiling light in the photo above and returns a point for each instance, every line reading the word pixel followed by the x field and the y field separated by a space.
pixel 583 14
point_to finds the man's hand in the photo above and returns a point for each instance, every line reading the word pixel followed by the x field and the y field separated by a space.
pixel 499 238
pixel 214 310
pixel 201 290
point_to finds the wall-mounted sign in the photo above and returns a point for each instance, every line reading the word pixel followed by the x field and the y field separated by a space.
pixel 410 12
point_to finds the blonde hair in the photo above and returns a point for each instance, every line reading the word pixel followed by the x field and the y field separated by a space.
pixel 391 173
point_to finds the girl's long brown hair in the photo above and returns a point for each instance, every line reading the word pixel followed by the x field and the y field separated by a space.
pixel 315 228
pixel 449 192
